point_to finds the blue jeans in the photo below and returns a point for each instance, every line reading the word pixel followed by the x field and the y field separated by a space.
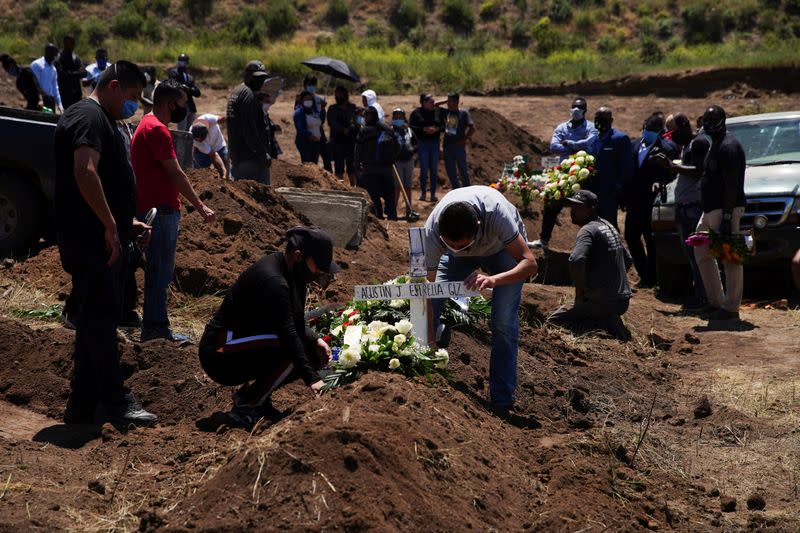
pixel 160 268
pixel 504 321
pixel 202 160
pixel 428 153
pixel 686 218
pixel 455 155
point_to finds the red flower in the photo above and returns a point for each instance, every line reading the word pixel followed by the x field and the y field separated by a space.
pixel 314 321
pixel 591 169
pixel 352 313
pixel 348 323
pixel 327 338
pixel 516 174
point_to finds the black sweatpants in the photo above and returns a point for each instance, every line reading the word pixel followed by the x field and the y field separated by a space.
pixel 97 293
pixel 638 229
pixel 380 186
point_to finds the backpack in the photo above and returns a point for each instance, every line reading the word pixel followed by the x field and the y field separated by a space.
pixel 387 149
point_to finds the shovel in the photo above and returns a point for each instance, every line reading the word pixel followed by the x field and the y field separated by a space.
pixel 412 216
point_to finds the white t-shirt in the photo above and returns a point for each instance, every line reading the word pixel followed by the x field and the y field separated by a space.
pixel 314 124
pixel 215 141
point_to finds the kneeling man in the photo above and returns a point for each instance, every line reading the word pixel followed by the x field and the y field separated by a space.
pixel 477 236
pixel 599 264
pixel 258 338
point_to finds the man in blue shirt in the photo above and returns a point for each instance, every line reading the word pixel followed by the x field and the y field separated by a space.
pixel 568 137
pixel 613 164
pixel 47 76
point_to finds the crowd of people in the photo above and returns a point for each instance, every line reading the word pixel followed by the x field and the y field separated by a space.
pixel 629 175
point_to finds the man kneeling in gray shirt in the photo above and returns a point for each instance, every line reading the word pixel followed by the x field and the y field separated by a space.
pixel 598 264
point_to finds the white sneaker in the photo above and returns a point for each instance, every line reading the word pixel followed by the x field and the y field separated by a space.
pixel 538 243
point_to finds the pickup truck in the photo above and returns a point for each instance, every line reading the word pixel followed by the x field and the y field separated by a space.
pixel 771 142
pixel 27 176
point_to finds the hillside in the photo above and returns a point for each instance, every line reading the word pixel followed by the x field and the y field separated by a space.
pixel 404 44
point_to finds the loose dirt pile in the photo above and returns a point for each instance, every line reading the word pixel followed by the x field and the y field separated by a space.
pixel 496 143
pixel 307 176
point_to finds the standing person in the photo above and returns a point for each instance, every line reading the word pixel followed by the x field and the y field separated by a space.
pixel 187 81
pixel 94 70
pixel 209 147
pixel 599 265
pixel 321 110
pixel 47 76
pixel 258 338
pixel 640 193
pixel 247 137
pixel 376 151
pixel 723 202
pixel 95 201
pixel 370 99
pixel 160 182
pixel 70 73
pixel 342 123
pixel 308 128
pixel 458 129
pixel 613 164
pixel 476 228
pixel 272 129
pixel 568 138
pixel 405 160
pixel 26 82
pixel 688 197
pixel 426 125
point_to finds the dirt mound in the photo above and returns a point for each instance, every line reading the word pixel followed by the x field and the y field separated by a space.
pixel 496 143
pixel 166 379
pixel 307 176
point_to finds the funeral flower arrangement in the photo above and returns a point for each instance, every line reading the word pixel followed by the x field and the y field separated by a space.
pixel 376 335
pixel 733 248
pixel 551 186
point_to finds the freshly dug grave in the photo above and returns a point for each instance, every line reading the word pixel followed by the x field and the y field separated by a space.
pixel 495 144
pixel 306 175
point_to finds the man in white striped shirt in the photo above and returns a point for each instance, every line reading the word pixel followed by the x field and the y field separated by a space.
pixel 47 76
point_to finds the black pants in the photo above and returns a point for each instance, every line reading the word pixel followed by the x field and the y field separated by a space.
pixel 130 291
pixel 49 101
pixel 549 217
pixel 607 208
pixel 380 186
pixel 97 293
pixel 232 363
pixel 325 152
pixel 639 236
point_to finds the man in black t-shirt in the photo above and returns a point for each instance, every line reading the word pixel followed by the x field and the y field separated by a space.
pixel 458 129
pixel 26 82
pixel 248 144
pixel 258 338
pixel 599 264
pixel 95 201
pixel 70 73
pixel 723 202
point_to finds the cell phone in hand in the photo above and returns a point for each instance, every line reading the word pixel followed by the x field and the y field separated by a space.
pixel 151 216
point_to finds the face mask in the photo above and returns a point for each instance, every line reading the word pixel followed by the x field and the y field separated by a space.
pixel 649 137
pixel 682 137
pixel 602 125
pixel 178 114
pixel 456 250
pixel 129 108
pixel 255 83
pixel 302 274
pixel 182 64
pixel 576 113
pixel 341 99
pixel 266 107
pixel 398 122
pixel 308 104
pixel 360 121
pixel 312 89
pixel 102 64
pixel 714 129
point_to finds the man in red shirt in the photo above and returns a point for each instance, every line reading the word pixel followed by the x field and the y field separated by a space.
pixel 160 182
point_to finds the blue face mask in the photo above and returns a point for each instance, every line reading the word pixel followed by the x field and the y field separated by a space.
pixel 312 89
pixel 129 108
pixel 102 64
pixel 649 137
pixel 398 122
pixel 360 120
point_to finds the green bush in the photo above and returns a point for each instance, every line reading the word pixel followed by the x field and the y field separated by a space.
pixel 96 31
pixel 127 23
pixel 62 27
pixel 337 13
pixel 520 37
pixel 344 34
pixel 490 10
pixel 792 7
pixel 458 15
pixel 160 7
pixel 608 44
pixel 703 22
pixel 650 51
pixel 559 10
pixel 280 18
pixel 584 22
pixel 406 14
pixel 198 10
pixel 151 29
pixel 521 5
pixel 248 28
pixel 547 37
pixel 664 27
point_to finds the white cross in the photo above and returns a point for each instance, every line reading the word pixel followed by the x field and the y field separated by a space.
pixel 419 291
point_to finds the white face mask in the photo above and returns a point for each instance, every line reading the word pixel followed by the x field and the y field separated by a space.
pixel 266 107
pixel 308 104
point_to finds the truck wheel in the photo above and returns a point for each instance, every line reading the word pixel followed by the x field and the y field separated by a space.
pixel 19 215
pixel 672 278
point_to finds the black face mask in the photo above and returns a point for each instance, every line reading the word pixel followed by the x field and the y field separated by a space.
pixel 341 100
pixel 602 125
pixel 682 137
pixel 255 83
pixel 178 114
pixel 302 274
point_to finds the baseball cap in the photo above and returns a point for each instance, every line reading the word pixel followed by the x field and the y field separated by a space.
pixel 318 244
pixel 584 197
pixel 256 67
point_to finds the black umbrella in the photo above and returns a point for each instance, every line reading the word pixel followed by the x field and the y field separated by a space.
pixel 334 67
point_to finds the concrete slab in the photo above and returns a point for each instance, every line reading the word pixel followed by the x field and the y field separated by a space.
pixel 343 214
